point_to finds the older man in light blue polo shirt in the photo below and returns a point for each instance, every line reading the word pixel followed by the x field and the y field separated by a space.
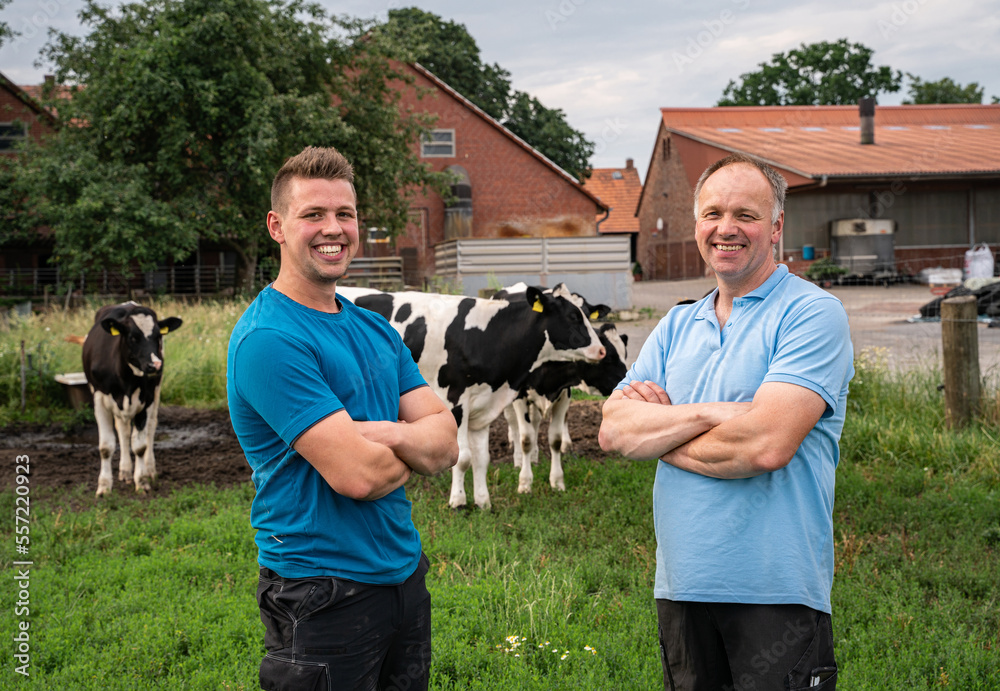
pixel 742 397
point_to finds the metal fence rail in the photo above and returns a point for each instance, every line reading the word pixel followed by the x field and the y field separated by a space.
pixel 376 272
pixel 382 273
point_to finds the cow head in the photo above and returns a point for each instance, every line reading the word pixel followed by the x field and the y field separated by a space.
pixel 140 336
pixel 602 379
pixel 564 322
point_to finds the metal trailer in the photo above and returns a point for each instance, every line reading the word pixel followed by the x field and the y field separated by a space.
pixel 597 267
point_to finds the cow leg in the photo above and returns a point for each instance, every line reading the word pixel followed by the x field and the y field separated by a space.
pixel 141 448
pixel 559 440
pixel 457 499
pixel 479 444
pixel 105 443
pixel 124 427
pixel 142 445
pixel 514 433
pixel 531 419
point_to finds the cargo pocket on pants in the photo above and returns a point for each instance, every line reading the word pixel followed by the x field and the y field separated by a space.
pixel 817 669
pixel 282 674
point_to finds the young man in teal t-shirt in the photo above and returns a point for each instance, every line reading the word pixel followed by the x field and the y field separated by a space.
pixel 334 417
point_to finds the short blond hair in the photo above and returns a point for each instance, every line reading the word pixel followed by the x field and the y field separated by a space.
pixel 312 163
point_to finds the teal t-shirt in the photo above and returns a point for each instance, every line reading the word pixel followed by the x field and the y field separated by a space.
pixel 289 367
pixel 766 539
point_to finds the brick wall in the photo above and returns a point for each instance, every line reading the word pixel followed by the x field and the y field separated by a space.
pixel 670 253
pixel 13 108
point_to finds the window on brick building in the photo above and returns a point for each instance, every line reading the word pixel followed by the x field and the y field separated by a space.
pixel 11 133
pixel 438 144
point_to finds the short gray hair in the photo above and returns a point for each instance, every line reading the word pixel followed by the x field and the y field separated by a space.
pixel 779 186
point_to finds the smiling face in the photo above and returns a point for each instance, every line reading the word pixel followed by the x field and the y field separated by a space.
pixel 734 231
pixel 318 233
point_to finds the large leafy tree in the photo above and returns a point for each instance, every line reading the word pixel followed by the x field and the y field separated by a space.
pixel 180 112
pixel 825 73
pixel 942 91
pixel 5 31
pixel 448 50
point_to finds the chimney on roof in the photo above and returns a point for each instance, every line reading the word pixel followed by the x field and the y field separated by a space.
pixel 866 109
pixel 629 164
pixel 50 79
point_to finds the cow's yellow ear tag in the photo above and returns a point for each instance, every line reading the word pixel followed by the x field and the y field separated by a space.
pixel 594 315
pixel 164 330
pixel 115 332
pixel 537 306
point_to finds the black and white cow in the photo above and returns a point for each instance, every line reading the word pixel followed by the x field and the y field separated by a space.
pixel 547 394
pixel 123 363
pixel 476 354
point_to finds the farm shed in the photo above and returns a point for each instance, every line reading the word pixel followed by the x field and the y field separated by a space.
pixel 932 170
pixel 506 188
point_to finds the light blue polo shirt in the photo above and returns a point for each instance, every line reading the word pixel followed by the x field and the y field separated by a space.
pixel 766 539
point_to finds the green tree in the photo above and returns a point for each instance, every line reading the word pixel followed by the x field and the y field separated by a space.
pixel 942 91
pixel 182 110
pixel 5 31
pixel 449 51
pixel 825 73
pixel 546 130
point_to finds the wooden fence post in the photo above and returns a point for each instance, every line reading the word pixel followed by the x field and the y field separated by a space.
pixel 24 378
pixel 960 349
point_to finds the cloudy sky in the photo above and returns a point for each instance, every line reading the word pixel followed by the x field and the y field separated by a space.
pixel 610 65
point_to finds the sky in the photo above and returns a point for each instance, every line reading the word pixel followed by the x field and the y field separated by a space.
pixel 611 65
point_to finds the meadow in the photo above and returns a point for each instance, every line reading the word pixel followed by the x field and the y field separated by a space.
pixel 546 591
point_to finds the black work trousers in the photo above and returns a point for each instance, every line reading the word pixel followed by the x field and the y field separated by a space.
pixel 324 633
pixel 708 646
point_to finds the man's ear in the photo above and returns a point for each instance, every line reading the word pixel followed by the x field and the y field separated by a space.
pixel 777 228
pixel 274 227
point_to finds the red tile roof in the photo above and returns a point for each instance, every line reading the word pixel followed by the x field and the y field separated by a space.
pixel 817 141
pixel 619 189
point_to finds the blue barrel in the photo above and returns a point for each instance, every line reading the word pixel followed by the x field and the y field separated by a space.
pixel 808 252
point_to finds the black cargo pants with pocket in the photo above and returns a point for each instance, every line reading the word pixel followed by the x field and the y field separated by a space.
pixel 328 633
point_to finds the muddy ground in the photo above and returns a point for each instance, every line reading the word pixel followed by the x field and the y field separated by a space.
pixel 199 447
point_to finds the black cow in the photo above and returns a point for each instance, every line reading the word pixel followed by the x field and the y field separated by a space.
pixel 123 363
pixel 546 393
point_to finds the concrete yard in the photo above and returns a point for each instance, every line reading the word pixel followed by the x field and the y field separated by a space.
pixel 878 317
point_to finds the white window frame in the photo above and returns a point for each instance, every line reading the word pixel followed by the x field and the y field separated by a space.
pixel 425 143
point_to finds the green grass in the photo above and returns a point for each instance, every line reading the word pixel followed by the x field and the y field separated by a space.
pixel 158 593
